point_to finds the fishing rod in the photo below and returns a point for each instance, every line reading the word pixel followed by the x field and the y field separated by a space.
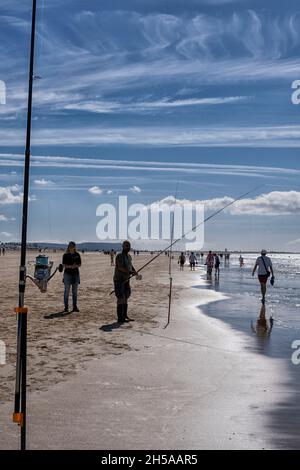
pixel 192 230
pixel 170 263
pixel 19 415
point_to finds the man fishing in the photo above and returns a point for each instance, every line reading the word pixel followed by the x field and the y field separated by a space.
pixel 123 270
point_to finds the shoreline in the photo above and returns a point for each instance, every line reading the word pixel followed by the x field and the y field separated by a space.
pixel 237 313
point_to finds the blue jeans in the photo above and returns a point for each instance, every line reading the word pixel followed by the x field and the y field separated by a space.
pixel 74 281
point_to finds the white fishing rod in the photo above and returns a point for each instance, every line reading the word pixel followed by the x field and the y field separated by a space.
pixel 192 230
pixel 170 261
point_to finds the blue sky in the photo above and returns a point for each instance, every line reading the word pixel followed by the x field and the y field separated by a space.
pixel 137 97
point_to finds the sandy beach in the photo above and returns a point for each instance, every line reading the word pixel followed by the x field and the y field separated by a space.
pixel 58 344
pixel 140 386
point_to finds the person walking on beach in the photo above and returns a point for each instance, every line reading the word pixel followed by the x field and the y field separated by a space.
pixel 265 269
pixel 192 260
pixel 210 261
pixel 123 270
pixel 241 260
pixel 217 264
pixel 71 262
pixel 181 261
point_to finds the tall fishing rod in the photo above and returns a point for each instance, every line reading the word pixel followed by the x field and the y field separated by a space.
pixel 170 262
pixel 192 230
pixel 19 415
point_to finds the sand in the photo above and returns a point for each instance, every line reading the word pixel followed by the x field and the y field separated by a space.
pixel 192 385
pixel 59 345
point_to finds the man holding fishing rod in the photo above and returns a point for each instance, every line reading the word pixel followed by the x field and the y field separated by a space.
pixel 123 271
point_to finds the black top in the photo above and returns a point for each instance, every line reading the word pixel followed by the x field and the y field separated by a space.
pixel 70 259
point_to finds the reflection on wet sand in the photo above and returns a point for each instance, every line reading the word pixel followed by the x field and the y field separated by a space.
pixel 263 327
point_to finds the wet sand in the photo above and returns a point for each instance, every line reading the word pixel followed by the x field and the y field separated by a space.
pixel 241 311
pixel 191 385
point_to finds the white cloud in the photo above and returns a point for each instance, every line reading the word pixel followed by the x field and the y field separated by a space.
pixel 3 218
pixel 95 190
pixel 109 191
pixel 43 182
pixel 10 195
pixel 275 203
pixel 135 189
pixel 13 195
pixel 5 234
pixel 294 243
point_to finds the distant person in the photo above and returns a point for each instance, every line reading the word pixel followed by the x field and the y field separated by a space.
pixel 241 261
pixel 71 262
pixel 112 257
pixel 123 270
pixel 193 261
pixel 210 261
pixel 226 257
pixel 265 269
pixel 181 261
pixel 217 264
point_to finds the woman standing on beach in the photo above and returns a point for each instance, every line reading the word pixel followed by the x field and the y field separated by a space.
pixel 71 262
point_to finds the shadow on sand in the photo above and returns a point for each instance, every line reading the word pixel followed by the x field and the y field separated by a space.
pixel 57 315
pixel 111 326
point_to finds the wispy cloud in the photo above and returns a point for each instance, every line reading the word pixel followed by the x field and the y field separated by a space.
pixel 179 51
pixel 149 166
pixel 260 136
pixel 140 107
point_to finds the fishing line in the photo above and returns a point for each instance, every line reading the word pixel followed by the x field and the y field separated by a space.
pixel 183 341
pixel 192 230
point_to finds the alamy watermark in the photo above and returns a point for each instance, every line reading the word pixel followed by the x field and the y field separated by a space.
pixel 2 92
pixel 2 353
pixel 157 221
pixel 296 354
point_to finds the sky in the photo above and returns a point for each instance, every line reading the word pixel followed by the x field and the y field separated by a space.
pixel 153 100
